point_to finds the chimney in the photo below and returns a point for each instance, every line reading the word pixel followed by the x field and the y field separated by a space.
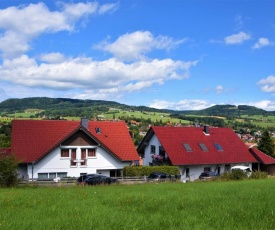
pixel 206 130
pixel 84 123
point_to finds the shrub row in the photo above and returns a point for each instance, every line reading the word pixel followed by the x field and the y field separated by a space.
pixel 241 175
pixel 259 175
pixel 146 170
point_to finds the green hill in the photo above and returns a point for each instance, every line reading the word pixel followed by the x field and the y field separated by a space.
pixel 76 107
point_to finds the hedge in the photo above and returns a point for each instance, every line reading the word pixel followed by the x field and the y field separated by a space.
pixel 147 170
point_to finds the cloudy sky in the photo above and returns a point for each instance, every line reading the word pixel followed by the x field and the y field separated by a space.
pixel 170 54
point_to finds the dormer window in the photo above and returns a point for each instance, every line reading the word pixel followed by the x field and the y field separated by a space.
pixel 187 147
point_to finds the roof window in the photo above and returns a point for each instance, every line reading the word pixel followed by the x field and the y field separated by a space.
pixel 97 130
pixel 203 147
pixel 218 146
pixel 187 147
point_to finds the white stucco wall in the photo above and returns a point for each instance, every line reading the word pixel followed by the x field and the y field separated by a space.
pixel 147 151
pixel 53 163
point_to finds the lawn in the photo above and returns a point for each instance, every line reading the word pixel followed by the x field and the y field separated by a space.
pixel 206 205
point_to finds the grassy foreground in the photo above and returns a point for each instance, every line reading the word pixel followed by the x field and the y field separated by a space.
pixel 208 205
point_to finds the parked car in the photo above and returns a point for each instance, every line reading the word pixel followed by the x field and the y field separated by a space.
pixel 245 169
pixel 108 180
pixel 82 178
pixel 159 176
pixel 208 175
pixel 95 179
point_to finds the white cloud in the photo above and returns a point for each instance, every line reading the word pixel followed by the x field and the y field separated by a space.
pixel 52 57
pixel 181 105
pixel 23 23
pixel 109 7
pixel 133 46
pixel 262 42
pixel 3 95
pixel 236 38
pixel 267 84
pixel 77 10
pixel 84 73
pixel 219 89
pixel 265 104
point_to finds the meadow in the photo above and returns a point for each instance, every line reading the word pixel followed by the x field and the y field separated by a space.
pixel 246 204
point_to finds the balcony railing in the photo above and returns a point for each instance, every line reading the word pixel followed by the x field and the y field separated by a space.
pixel 82 162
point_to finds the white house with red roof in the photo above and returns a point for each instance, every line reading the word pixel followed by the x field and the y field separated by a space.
pixel 54 148
pixel 196 149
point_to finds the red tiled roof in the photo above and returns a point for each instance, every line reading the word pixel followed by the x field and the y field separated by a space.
pixel 262 157
pixel 33 139
pixel 173 138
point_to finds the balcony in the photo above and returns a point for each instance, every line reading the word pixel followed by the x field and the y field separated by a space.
pixel 158 160
pixel 81 162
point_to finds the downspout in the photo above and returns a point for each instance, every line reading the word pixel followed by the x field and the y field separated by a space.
pixel 32 170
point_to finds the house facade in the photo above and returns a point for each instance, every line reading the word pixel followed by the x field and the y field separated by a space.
pixel 50 149
pixel 195 149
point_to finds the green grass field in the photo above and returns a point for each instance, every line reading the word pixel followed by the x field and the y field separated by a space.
pixel 204 205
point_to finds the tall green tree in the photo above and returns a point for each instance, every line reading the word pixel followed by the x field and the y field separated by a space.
pixel 266 144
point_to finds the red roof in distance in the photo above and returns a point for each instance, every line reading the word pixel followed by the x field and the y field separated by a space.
pixel 262 157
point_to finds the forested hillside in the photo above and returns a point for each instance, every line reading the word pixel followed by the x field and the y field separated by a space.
pixel 76 107
pixel 65 107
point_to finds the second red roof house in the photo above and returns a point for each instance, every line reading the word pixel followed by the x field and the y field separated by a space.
pixel 195 149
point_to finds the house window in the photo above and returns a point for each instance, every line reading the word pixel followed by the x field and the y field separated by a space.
pixel 218 146
pixel 73 157
pixel 83 157
pixel 65 153
pixel 203 147
pixel 91 152
pixel 42 176
pixel 153 149
pixel 51 175
pixel 187 147
pixel 61 174
pixel 207 169
pixel 161 151
pixel 187 171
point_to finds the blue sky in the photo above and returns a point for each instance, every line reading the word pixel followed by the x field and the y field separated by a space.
pixel 181 55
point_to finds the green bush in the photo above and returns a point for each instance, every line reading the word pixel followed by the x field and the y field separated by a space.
pixel 259 175
pixel 234 175
pixel 147 170
pixel 238 174
pixel 241 175
pixel 8 171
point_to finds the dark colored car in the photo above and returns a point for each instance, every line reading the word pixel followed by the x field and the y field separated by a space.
pixel 82 178
pixel 159 176
pixel 95 179
pixel 208 175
